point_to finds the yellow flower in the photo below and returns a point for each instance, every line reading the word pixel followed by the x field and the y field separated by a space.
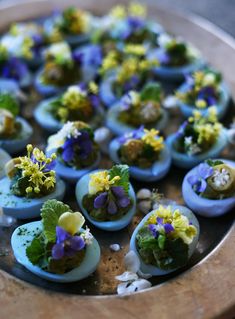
pixel 118 12
pixel 151 138
pixel 137 10
pixel 162 212
pixel 93 87
pixel 100 181
pixel 182 228
pixel 71 222
pixel 74 98
pixel 110 61
pixel 38 176
pixel 198 77
pixel 136 49
pixel 201 104
pixel 212 114
pixel 27 46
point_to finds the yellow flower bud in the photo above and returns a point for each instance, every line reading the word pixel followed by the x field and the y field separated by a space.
pixel 200 104
pixel 71 222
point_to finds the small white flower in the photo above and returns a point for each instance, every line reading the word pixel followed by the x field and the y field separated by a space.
pixel 194 149
pixel 87 236
pixel 220 178
pixel 188 140
pixel 60 49
pixel 148 111
pixel 170 102
pixel 209 79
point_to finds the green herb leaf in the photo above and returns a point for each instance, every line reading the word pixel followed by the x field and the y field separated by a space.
pixel 123 172
pixel 151 92
pixel 214 163
pixel 161 241
pixel 50 213
pixel 35 251
pixel 9 103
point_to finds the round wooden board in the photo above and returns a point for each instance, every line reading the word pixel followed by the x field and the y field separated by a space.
pixel 205 291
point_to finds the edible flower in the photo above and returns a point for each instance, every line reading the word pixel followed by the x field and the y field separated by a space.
pixel 198 180
pixel 71 222
pixel 101 181
pixel 150 139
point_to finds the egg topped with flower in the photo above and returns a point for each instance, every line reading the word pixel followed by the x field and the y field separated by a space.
pixel 74 145
pixel 144 107
pixel 141 148
pixel 77 103
pixel 213 179
pixel 174 52
pixel 24 40
pixel 108 196
pixel 199 133
pixel 61 244
pixel 10 127
pixel 70 22
pixel 165 237
pixel 32 175
pixel 130 67
pixel 61 67
pixel 125 24
pixel 202 89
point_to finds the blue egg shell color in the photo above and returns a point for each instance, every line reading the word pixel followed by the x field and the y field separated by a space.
pixel 87 267
pixel 82 190
pixel 156 172
pixel 221 106
pixel 178 73
pixel 106 92
pixel 71 174
pixel 4 158
pixel 153 270
pixel 204 206
pixel 23 138
pixel 46 120
pixel 186 161
pixel 119 128
pixel 22 207
pixel 46 89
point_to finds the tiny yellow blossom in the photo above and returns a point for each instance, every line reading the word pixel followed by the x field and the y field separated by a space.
pixel 71 222
pixel 93 87
pixel 212 114
pixel 151 138
pixel 162 212
pixel 100 181
pixel 136 49
pixel 137 10
pixel 201 104
pixel 118 12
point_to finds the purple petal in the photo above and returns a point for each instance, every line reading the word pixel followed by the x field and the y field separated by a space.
pixel 202 186
pixel 100 200
pixel 160 221
pixel 68 154
pixel 112 207
pixel 124 202
pixel 118 191
pixel 168 228
pixel 58 251
pixel 61 235
pixel 77 243
pixel 153 230
pixel 204 170
pixel 193 179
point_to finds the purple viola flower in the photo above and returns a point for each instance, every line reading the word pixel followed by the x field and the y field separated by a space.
pixel 81 146
pixel 95 100
pixel 198 180
pixel 136 134
pixel 135 23
pixel 66 244
pixel 154 230
pixel 117 198
pixel 132 83
pixel 208 94
pixel 93 55
pixel 78 57
pixel 14 69
pixel 167 227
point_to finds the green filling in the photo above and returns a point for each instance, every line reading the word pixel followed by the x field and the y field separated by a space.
pixel 162 252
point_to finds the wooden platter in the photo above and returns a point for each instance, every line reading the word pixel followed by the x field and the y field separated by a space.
pixel 207 289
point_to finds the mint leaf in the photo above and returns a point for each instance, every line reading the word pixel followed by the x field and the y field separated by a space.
pixel 151 92
pixel 123 172
pixel 35 251
pixel 161 241
pixel 50 213
pixel 9 103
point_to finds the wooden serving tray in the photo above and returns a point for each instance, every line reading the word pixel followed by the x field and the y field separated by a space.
pixel 205 288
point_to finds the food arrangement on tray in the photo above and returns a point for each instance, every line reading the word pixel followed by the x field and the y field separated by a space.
pixel 107 98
